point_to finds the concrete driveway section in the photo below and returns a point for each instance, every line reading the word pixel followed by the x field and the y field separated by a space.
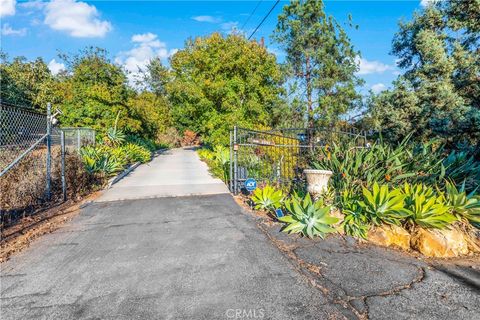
pixel 177 172
pixel 165 258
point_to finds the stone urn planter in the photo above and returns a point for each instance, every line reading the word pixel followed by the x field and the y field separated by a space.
pixel 317 181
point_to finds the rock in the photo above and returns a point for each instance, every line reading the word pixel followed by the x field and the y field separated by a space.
pixel 390 235
pixel 440 243
pixel 473 240
pixel 341 217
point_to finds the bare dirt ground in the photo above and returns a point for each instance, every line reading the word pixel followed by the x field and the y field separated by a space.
pixel 19 236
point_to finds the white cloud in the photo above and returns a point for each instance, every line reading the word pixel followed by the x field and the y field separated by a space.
pixel 369 67
pixel 145 37
pixel 378 87
pixel 229 26
pixel 426 3
pixel 36 4
pixel 7 30
pixel 146 47
pixel 55 67
pixel 210 19
pixel 7 7
pixel 78 19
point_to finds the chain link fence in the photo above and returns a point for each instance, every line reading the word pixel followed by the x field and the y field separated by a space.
pixel 39 164
pixel 75 138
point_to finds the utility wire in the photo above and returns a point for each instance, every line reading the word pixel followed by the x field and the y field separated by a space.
pixel 264 18
pixel 251 14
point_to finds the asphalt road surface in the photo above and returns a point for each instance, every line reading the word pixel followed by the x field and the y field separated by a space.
pixel 169 242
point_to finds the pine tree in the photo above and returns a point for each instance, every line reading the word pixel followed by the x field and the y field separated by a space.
pixel 321 57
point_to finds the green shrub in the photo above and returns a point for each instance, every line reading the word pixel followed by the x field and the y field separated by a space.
pixel 148 144
pixel 307 217
pixel 425 208
pixel 98 160
pixel 463 205
pixel 463 170
pixel 355 222
pixel 357 167
pixel 135 153
pixel 267 198
pixel 115 136
pixel 382 205
pixel 218 161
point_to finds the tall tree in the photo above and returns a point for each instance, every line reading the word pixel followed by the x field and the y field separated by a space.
pixel 154 77
pixel 218 82
pixel 94 91
pixel 439 51
pixel 26 83
pixel 321 57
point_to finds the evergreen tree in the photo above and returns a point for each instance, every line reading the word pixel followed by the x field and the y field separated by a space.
pixel 321 57
pixel 439 51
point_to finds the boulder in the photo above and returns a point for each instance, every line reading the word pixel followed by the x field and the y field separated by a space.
pixel 444 243
pixel 390 235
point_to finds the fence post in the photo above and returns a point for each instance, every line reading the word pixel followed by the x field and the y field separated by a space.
pixel 230 182
pixel 78 140
pixel 235 158
pixel 62 146
pixel 49 148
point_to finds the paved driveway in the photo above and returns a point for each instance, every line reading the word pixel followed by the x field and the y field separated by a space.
pixel 196 257
pixel 158 254
pixel 177 172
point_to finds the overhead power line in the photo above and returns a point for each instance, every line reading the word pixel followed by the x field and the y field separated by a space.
pixel 251 14
pixel 263 20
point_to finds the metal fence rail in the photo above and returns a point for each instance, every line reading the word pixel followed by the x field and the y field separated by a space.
pixel 279 156
pixel 31 151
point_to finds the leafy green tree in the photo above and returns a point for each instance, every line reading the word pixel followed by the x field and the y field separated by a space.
pixel 94 91
pixel 438 96
pixel 321 57
pixel 26 83
pixel 218 82
pixel 153 113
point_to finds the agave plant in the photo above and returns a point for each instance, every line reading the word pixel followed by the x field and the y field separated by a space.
pixel 308 218
pixel 463 205
pixel 222 160
pixel 267 198
pixel 382 205
pixel 355 222
pixel 463 170
pixel 425 208
pixel 98 160
pixel 137 153
pixel 115 136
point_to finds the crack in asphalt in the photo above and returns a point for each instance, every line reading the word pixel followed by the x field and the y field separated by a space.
pixel 334 292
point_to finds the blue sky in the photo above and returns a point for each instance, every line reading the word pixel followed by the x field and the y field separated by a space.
pixel 135 31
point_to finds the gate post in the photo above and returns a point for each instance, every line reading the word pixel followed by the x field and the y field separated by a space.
pixel 49 149
pixel 230 177
pixel 235 158
pixel 62 146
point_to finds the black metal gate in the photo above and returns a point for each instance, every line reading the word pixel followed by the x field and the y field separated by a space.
pixel 279 156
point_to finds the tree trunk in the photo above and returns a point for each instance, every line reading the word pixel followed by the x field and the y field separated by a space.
pixel 308 80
